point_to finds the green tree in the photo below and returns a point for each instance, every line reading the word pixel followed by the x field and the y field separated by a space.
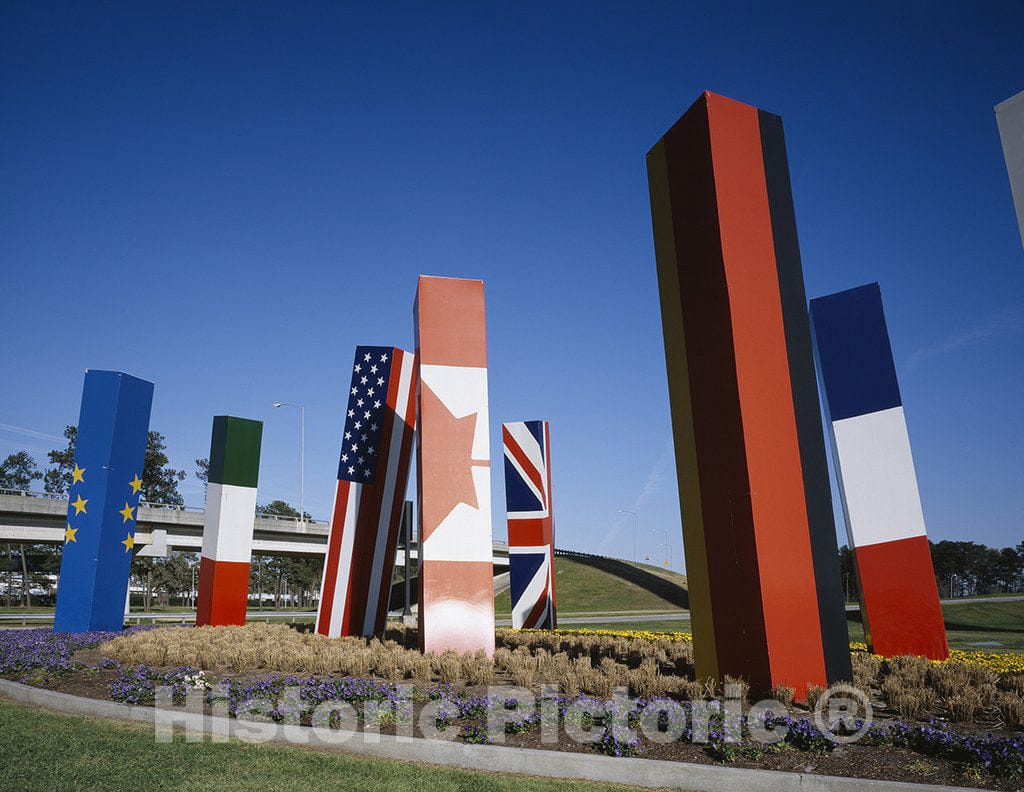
pixel 159 480
pixel 172 577
pixel 279 508
pixel 203 471
pixel 299 577
pixel 62 461
pixel 849 574
pixel 18 471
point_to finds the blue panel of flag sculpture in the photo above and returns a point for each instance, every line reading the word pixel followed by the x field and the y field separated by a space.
pixel 531 536
pixel 103 502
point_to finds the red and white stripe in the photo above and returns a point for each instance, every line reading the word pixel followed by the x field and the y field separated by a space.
pixel 365 521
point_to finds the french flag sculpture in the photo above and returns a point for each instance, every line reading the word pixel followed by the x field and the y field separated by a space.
pixel 884 521
pixel 531 540
pixel 373 472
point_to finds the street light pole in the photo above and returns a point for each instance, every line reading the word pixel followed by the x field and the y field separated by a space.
pixel 636 527
pixel 302 457
pixel 668 558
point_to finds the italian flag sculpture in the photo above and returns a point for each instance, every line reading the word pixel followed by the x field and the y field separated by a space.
pixel 456 607
pixel 228 526
pixel 871 447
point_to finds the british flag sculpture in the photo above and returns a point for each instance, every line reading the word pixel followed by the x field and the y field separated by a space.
pixel 531 536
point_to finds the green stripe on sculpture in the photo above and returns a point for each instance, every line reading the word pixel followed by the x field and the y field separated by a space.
pixel 235 451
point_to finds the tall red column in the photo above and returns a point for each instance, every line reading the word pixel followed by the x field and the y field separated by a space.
pixel 758 530
pixel 456 608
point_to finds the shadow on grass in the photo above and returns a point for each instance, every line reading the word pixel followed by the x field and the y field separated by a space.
pixel 655 584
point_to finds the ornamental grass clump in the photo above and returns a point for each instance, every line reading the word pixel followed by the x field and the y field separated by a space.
pixel 1011 709
pixel 911 701
pixel 814 693
pixel 866 670
pixel 783 694
pixel 964 705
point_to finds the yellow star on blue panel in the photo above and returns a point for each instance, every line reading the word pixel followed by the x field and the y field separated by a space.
pixel 79 505
pixel 76 474
pixel 128 542
pixel 69 534
pixel 127 512
pixel 136 485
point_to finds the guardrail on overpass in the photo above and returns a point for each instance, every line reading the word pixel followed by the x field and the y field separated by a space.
pixel 39 517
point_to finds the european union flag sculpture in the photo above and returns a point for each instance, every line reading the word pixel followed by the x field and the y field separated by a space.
pixel 103 502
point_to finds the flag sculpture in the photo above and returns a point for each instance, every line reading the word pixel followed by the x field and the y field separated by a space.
pixel 759 536
pixel 103 502
pixel 228 523
pixel 373 472
pixel 531 535
pixel 884 521
pixel 456 603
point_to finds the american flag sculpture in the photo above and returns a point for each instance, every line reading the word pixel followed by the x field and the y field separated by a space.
pixel 531 544
pixel 373 471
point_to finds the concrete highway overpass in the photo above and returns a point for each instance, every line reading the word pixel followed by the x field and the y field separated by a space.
pixel 39 518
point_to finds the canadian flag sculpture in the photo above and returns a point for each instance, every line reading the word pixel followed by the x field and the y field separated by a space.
pixel 871 448
pixel 456 581
pixel 373 472
pixel 531 537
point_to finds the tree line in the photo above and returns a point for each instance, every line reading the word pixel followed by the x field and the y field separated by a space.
pixel 962 569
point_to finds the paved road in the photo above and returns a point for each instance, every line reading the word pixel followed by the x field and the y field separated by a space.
pixel 626 618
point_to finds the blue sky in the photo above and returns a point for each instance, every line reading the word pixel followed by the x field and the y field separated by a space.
pixel 226 198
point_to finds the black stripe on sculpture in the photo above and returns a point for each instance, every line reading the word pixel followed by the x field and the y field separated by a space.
pixel 820 517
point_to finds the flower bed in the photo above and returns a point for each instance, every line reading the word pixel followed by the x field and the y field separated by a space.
pixel 661 721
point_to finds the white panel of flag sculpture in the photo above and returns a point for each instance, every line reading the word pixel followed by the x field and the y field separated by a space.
pixel 531 541
pixel 373 472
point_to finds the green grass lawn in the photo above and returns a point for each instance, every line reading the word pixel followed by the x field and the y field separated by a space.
pixel 45 751
pixel 999 626
pixel 605 585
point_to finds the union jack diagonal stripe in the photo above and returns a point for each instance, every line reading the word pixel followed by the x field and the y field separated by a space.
pixel 531 543
pixel 373 471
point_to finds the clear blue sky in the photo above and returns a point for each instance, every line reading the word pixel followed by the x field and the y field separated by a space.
pixel 225 198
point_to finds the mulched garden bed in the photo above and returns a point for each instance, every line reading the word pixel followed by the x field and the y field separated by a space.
pixel 898 751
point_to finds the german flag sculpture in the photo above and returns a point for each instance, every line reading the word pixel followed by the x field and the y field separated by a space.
pixel 759 536
pixel 229 521
pixel 373 473
pixel 103 502
pixel 456 597
pixel 871 448
pixel 531 527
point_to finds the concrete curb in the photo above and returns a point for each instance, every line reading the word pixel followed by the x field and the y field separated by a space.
pixel 651 773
